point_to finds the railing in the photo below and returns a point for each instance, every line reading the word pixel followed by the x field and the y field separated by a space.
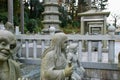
pixel 32 46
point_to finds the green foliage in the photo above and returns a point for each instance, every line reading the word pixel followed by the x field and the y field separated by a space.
pixel 3 6
pixel 34 16
pixel 16 7
pixel 69 29
pixel 63 17
pixel 75 23
pixel 26 17
pixel 31 25
pixel 39 26
pixel 38 9
pixel 3 17
pixel 16 21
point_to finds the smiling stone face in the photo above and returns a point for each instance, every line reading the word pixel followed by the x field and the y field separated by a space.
pixel 7 44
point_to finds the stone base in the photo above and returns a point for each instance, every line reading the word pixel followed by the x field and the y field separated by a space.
pixel 95 74
pixel 32 72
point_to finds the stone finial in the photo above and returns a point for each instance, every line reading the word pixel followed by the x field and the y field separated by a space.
pixel 52 30
pixel 111 29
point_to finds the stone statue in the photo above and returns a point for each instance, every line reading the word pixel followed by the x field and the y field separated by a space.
pixel 72 57
pixel 9 26
pixel 9 69
pixel 119 60
pixel 54 62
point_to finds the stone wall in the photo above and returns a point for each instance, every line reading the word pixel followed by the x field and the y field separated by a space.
pixel 32 72
pixel 95 74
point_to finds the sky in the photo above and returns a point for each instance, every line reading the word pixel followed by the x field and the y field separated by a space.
pixel 114 8
pixel 114 5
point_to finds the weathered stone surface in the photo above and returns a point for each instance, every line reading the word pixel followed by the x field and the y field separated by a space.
pixel 95 74
pixel 9 69
pixel 31 72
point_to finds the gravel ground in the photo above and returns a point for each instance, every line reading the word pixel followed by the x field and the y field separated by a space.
pixel 31 72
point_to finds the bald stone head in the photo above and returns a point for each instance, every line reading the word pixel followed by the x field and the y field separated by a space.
pixel 7 44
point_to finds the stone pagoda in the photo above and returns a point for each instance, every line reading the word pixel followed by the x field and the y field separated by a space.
pixel 51 15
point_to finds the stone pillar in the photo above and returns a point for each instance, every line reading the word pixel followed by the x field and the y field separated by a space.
pixel 2 26
pixel 82 26
pixel 89 51
pixel 99 51
pixel 104 31
pixel 82 32
pixel 111 54
pixel 10 11
pixel 111 51
pixel 17 30
pixel 104 25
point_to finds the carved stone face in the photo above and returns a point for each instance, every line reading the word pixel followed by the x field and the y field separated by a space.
pixel 64 44
pixel 7 44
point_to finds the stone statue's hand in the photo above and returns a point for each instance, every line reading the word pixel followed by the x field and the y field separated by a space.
pixel 68 71
pixel 82 69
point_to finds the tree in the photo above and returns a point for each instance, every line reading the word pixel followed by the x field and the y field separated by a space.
pixel 16 10
pixel 116 17
pixel 100 4
pixel 31 25
pixel 82 6
pixel 33 13
pixel 36 9
pixel 103 4
pixel 63 17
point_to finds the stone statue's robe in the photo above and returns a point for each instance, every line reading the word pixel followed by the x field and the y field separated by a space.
pixel 53 67
pixel 13 72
